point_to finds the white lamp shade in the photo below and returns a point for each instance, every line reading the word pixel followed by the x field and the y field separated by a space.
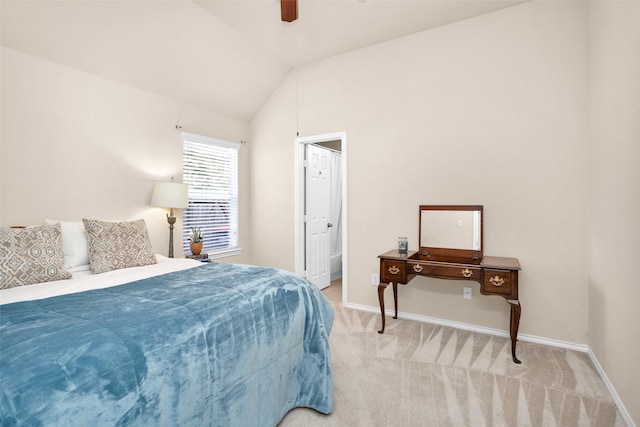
pixel 170 195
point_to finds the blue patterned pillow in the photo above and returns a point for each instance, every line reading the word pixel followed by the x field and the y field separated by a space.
pixel 115 245
pixel 31 255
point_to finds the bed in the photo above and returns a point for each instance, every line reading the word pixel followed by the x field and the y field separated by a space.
pixel 169 342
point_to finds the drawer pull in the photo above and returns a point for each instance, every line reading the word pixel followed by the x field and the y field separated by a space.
pixel 497 281
pixel 394 270
pixel 417 268
pixel 466 272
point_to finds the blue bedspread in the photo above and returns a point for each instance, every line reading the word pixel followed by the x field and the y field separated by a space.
pixel 216 345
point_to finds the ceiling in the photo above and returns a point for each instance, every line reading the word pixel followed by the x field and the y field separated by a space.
pixel 225 56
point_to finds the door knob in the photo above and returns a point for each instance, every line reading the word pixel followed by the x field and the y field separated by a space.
pixel 329 225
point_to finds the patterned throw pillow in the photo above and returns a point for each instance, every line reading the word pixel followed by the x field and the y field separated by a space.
pixel 115 245
pixel 31 255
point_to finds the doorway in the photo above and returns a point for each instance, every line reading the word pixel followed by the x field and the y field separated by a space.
pixel 313 231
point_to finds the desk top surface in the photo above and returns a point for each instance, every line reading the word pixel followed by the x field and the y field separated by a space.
pixel 394 254
pixel 503 263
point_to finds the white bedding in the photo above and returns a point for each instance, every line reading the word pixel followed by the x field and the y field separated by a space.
pixel 85 280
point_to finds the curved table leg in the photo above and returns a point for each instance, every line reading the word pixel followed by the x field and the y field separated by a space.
pixel 395 298
pixel 381 288
pixel 515 323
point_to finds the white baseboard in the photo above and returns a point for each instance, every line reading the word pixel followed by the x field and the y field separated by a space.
pixel 623 410
pixel 521 337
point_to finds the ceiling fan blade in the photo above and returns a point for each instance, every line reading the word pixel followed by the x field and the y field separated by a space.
pixel 289 10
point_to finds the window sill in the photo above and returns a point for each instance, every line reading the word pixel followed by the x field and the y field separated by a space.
pixel 225 253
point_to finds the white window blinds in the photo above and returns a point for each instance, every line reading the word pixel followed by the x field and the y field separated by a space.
pixel 210 168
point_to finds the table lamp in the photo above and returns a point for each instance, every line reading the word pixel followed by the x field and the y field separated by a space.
pixel 170 195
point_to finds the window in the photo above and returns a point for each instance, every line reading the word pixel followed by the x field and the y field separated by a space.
pixel 210 168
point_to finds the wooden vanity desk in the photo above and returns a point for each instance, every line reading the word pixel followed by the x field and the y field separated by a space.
pixel 496 275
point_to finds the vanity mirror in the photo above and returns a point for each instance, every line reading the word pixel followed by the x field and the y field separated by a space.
pixel 451 233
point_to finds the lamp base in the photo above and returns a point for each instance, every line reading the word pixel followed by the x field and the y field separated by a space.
pixel 171 220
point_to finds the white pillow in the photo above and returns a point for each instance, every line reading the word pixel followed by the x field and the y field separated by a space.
pixel 74 244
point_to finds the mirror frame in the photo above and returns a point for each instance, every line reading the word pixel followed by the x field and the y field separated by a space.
pixel 467 256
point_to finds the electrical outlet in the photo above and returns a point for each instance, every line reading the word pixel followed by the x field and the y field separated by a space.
pixel 466 292
pixel 375 279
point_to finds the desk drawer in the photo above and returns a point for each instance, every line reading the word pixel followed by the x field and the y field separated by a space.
pixel 392 271
pixel 445 271
pixel 497 282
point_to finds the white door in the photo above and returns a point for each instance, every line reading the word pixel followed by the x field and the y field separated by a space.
pixel 317 214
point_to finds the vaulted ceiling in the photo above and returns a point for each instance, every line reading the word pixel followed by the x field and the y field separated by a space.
pixel 225 56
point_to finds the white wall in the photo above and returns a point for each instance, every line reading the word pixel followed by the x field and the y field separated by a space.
pixel 487 111
pixel 614 203
pixel 273 132
pixel 75 145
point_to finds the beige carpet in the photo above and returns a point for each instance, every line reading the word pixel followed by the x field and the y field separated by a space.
pixel 419 374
